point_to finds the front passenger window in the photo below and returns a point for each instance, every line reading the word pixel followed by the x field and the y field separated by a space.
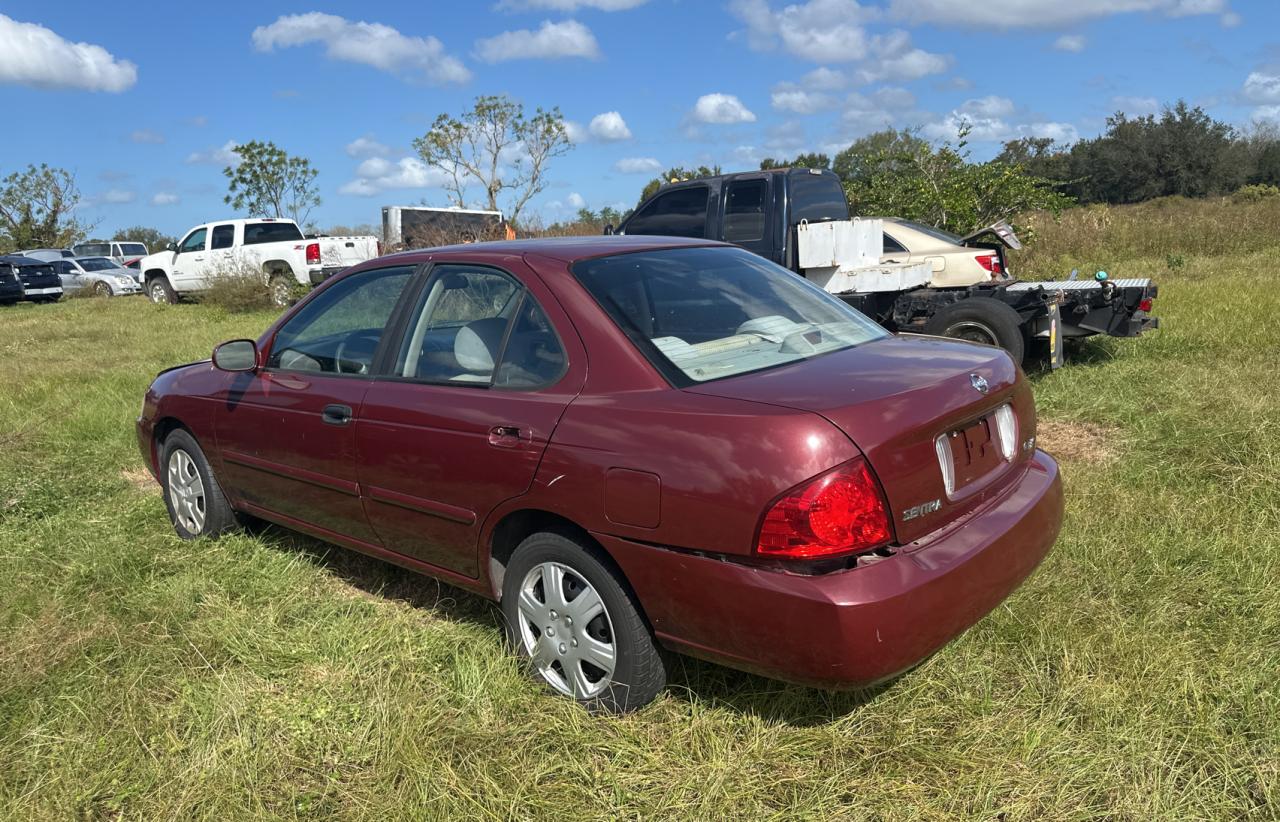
pixel 194 242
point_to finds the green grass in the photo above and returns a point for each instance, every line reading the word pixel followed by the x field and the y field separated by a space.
pixel 1133 677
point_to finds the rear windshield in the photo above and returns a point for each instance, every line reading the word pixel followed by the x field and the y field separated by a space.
pixel 703 314
pixel 817 198
pixel 97 264
pixel 133 248
pixel 93 249
pixel 255 233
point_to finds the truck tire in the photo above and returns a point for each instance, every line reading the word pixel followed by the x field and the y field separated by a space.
pixel 160 292
pixel 281 289
pixel 982 320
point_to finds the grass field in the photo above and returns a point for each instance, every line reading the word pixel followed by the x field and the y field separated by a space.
pixel 1133 677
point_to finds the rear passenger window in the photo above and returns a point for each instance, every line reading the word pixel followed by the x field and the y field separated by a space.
pixel 679 213
pixel 892 246
pixel 223 236
pixel 744 211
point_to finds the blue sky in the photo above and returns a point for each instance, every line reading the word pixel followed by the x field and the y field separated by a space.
pixel 142 100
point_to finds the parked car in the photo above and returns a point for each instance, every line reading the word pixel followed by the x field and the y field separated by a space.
pixel 631 443
pixel 39 282
pixel 275 249
pixel 953 260
pixel 46 254
pixel 10 285
pixel 100 276
pixel 121 251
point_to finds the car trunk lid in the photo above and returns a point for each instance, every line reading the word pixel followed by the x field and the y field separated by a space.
pixel 904 402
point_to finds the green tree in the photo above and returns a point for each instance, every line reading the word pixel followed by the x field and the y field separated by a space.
pixel 808 160
pixel 496 147
pixel 876 154
pixel 37 209
pixel 268 182
pixel 676 174
pixel 154 239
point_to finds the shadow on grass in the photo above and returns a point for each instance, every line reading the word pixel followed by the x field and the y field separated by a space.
pixel 705 686
pixel 1088 352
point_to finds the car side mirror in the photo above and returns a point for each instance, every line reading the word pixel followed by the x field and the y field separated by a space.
pixel 170 247
pixel 236 356
pixel 608 230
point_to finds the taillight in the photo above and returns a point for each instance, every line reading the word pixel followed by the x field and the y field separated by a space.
pixel 313 254
pixel 839 512
pixel 991 262
pixel 1145 304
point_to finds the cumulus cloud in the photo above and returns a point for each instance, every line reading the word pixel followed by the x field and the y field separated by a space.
pixel 1072 43
pixel 800 101
pixel 825 31
pixel 118 196
pixel 569 5
pixel 35 56
pixel 224 155
pixel 146 135
pixel 721 109
pixel 609 127
pixel 576 132
pixel 824 79
pixel 638 165
pixel 551 41
pixel 893 59
pixel 370 44
pixel 378 174
pixel 576 200
pixel 1042 13
pixel 993 119
pixel 366 146
pixel 164 198
pixel 1262 87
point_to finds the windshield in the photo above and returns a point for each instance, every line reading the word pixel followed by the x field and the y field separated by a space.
pixel 93 249
pixel 129 249
pixel 707 313
pixel 97 264
pixel 255 233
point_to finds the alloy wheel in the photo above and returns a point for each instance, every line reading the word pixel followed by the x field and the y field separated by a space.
pixel 566 630
pixel 186 491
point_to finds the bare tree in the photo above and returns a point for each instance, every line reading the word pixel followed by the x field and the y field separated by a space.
pixel 497 148
pixel 37 208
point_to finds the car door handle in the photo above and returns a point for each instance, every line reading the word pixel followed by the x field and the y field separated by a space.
pixel 336 414
pixel 507 436
pixel 198 259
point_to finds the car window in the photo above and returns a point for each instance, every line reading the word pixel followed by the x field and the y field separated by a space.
pixel 131 249
pixel 702 314
pixel 338 332
pixel 476 326
pixel 816 198
pixel 255 233
pixel 223 236
pixel 92 249
pixel 98 264
pixel 679 213
pixel 194 241
pixel 892 246
pixel 63 267
pixel 744 211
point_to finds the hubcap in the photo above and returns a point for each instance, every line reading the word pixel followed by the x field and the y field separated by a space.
pixel 157 293
pixel 565 629
pixel 280 293
pixel 973 332
pixel 186 491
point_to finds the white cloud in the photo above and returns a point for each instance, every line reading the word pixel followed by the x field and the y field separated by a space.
pixel 990 120
pixel 224 155
pixel 1072 43
pixel 569 5
pixel 1135 105
pixel 1262 87
pixel 865 114
pixel 988 107
pixel 377 174
pixel 1267 114
pixel 800 101
pixel 576 132
pixel 366 146
pixel 370 44
pixel 163 198
pixel 32 55
pixel 638 165
pixel 146 135
pixel 551 41
pixel 721 109
pixel 1041 13
pixel 610 127
pixel 576 200
pixel 894 60
pixel 117 196
pixel 824 79
pixel 1230 20
pixel 824 31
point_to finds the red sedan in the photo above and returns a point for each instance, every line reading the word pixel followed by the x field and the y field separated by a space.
pixel 634 444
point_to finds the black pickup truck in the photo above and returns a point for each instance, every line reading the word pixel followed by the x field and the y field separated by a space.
pixel 39 282
pixel 762 211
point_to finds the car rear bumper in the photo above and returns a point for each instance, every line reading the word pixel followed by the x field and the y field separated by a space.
pixel 855 627
pixel 47 291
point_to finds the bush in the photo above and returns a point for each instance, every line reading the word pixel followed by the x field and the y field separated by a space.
pixel 239 287
pixel 1255 193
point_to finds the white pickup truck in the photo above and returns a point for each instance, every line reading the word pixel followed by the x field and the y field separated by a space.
pixel 275 249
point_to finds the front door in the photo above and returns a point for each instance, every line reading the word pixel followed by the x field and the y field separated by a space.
pixel 286 433
pixel 191 262
pixel 459 425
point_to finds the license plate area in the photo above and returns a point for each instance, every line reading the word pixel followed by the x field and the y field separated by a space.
pixel 970 453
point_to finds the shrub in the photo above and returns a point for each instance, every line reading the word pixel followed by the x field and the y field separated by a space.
pixel 239 287
pixel 1255 193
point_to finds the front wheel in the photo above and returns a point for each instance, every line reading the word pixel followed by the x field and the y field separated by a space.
pixel 980 320
pixel 570 617
pixel 197 506
pixel 160 292
pixel 101 289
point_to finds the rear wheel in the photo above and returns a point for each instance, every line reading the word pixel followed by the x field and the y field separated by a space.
pixel 160 292
pixel 981 320
pixel 281 291
pixel 197 506
pixel 570 617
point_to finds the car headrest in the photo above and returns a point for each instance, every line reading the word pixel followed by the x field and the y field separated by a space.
pixel 476 346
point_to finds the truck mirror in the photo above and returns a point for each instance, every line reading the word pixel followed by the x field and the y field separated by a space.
pixel 608 230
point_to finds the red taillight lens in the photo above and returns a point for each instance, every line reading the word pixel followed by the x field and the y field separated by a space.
pixel 313 254
pixel 837 513
pixel 991 262
pixel 1145 304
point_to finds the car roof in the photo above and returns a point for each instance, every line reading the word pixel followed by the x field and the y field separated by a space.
pixel 564 249
pixel 94 257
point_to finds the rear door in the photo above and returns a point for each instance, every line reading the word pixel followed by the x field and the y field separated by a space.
pixel 286 434
pixel 222 240
pixel 487 365
pixel 745 209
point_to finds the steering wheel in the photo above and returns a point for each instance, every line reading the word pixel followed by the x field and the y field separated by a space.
pixel 364 353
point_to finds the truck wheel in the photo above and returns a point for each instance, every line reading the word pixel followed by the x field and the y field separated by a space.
pixel 981 320
pixel 281 292
pixel 160 292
